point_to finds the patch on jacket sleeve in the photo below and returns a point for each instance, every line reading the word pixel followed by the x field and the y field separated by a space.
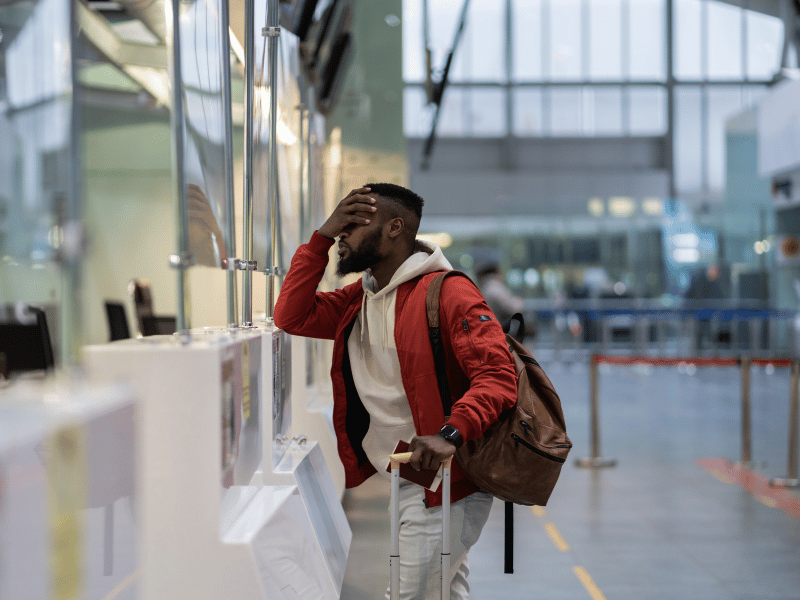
pixel 484 318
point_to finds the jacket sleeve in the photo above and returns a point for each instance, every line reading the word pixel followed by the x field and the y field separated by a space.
pixel 483 355
pixel 301 309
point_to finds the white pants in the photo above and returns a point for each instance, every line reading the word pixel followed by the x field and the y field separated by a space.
pixel 421 543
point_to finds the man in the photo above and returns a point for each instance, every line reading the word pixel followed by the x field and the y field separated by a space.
pixel 501 300
pixel 384 380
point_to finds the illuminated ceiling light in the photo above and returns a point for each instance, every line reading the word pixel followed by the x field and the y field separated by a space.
pixel 531 277
pixel 686 255
pixel 443 240
pixel 685 240
pixel 759 247
pixel 653 206
pixel 514 277
pixel 621 206
pixel 596 207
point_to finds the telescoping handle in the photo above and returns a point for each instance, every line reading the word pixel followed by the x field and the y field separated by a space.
pixel 394 556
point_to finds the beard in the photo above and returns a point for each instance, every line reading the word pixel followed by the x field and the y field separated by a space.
pixel 361 258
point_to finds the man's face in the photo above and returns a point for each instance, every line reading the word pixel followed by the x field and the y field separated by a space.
pixel 360 246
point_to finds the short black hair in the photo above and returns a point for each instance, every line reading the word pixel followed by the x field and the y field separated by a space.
pixel 399 194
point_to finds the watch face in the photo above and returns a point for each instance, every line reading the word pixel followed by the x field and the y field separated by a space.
pixel 449 433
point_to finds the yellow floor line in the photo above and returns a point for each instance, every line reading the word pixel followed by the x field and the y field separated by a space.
pixel 588 583
pixel 724 479
pixel 538 511
pixel 767 501
pixel 122 585
pixel 555 535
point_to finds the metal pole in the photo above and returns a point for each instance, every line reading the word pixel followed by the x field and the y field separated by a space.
pixel 182 260
pixel 71 251
pixel 745 373
pixel 594 421
pixel 446 527
pixel 273 31
pixel 230 241
pixel 247 209
pixel 595 401
pixel 302 229
pixel 394 555
pixel 669 153
pixel 792 479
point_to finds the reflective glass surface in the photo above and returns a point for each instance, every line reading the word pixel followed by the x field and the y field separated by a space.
pixel 288 146
pixel 203 50
pixel 35 128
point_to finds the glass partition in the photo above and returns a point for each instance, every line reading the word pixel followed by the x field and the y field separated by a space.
pixel 39 204
pixel 35 127
pixel 288 146
pixel 204 51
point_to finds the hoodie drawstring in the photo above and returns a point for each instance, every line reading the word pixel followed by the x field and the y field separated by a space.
pixel 363 316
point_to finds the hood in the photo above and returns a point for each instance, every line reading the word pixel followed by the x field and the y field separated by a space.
pixel 426 259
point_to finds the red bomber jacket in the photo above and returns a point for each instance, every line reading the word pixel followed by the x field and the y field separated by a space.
pixel 480 368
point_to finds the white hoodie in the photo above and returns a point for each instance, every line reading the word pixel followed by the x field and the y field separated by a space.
pixel 374 361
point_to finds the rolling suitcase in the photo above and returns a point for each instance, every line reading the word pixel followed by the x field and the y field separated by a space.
pixel 394 557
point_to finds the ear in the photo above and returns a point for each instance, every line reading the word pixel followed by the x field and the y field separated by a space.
pixel 395 227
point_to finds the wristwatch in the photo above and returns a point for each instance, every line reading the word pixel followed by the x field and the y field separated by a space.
pixel 451 434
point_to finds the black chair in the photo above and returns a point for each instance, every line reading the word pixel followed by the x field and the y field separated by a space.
pixel 117 321
pixel 147 322
pixel 154 325
pixel 27 346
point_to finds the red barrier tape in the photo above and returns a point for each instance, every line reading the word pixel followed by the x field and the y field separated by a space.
pixel 699 361
pixel 777 362
pixel 756 484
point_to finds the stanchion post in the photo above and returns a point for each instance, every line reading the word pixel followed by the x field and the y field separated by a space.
pixel 792 479
pixel 744 365
pixel 594 462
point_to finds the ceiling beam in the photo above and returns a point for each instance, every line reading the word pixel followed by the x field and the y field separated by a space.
pixel 143 63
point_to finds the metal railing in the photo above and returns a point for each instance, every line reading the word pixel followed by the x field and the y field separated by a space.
pixel 722 328
pixel 744 363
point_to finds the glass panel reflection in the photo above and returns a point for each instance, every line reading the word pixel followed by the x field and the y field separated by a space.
pixel 35 126
pixel 208 208
pixel 288 147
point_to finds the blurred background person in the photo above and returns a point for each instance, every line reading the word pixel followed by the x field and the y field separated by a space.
pixel 498 296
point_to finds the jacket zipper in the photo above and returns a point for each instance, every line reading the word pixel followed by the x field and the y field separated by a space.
pixel 518 440
pixel 469 335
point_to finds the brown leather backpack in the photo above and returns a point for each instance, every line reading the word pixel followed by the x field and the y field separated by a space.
pixel 519 457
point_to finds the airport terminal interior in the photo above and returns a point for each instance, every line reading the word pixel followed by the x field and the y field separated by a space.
pixel 618 172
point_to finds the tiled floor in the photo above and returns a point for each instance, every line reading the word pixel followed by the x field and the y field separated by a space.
pixel 656 527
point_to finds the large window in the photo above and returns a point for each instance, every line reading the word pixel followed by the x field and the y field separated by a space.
pixel 577 68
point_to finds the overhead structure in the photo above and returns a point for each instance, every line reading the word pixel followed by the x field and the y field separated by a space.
pixel 437 89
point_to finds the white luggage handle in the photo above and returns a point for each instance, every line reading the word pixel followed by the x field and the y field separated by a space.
pixel 394 557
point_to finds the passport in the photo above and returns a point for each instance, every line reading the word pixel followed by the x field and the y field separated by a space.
pixel 427 478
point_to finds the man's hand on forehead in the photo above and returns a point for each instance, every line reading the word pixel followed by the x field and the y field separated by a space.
pixel 357 208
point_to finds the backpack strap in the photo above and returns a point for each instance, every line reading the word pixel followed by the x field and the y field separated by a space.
pixel 434 333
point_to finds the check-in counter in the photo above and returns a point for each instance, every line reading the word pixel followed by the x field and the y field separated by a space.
pixel 67 490
pixel 214 523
